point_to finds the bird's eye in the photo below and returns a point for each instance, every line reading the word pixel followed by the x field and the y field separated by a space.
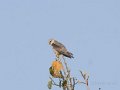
pixel 50 42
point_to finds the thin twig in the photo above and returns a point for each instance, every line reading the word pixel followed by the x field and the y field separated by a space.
pixel 68 75
pixel 53 82
pixel 73 83
pixel 79 82
pixel 86 80
pixel 82 75
pixel 66 65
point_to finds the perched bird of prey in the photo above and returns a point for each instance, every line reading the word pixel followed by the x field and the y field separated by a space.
pixel 60 49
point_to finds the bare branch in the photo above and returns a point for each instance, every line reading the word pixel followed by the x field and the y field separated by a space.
pixel 53 82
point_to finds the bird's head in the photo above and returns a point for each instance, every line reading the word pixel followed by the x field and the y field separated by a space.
pixel 51 41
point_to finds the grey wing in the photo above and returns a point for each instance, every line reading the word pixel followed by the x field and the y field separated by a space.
pixel 60 45
pixel 62 50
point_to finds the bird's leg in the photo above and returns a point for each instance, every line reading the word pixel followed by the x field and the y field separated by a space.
pixel 57 55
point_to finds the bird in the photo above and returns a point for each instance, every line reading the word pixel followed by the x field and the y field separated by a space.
pixel 60 49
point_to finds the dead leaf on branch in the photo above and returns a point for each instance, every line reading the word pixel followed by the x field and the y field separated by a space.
pixel 57 65
pixel 55 69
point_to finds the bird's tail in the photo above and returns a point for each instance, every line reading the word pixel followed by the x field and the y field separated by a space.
pixel 68 54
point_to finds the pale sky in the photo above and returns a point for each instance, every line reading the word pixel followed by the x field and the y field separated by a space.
pixel 90 29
